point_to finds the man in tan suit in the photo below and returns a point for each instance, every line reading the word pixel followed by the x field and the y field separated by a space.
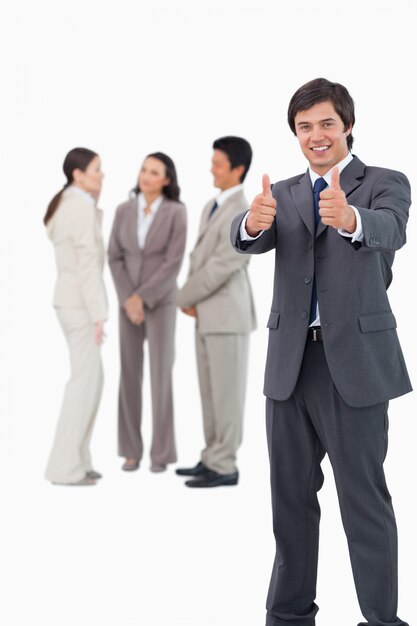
pixel 218 295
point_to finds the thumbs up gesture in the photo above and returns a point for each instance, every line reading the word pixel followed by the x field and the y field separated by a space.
pixel 262 211
pixel 333 207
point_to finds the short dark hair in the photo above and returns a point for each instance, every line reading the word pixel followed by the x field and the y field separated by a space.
pixel 321 90
pixel 237 150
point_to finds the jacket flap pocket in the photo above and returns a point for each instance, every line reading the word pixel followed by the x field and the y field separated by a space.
pixel 273 320
pixel 377 321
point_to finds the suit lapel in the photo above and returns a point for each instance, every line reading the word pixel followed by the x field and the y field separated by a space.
pixel 132 223
pixel 205 222
pixel 351 177
pixel 156 223
pixel 219 214
pixel 302 194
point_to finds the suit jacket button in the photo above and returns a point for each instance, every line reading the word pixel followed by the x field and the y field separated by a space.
pixel 307 280
pixel 304 315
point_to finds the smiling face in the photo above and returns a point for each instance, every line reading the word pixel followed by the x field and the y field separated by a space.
pixel 322 136
pixel 225 176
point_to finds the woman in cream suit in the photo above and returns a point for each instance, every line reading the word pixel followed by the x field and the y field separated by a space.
pixel 145 254
pixel 74 226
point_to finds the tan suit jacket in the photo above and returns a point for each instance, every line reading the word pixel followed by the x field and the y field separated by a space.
pixel 150 272
pixel 218 282
pixel 75 231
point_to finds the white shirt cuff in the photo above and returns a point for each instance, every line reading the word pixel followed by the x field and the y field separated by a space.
pixel 358 234
pixel 243 234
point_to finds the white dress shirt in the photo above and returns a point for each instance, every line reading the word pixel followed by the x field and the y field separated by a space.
pixel 145 221
pixel 224 195
pixel 355 236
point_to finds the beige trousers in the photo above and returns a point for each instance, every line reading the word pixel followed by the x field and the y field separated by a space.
pixel 222 368
pixel 159 329
pixel 70 457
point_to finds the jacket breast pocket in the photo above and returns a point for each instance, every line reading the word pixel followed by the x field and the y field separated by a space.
pixel 273 320
pixel 375 322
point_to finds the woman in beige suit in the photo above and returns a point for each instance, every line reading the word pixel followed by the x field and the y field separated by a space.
pixel 74 226
pixel 145 253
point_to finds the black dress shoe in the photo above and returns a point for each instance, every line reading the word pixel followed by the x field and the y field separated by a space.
pixel 213 479
pixel 197 470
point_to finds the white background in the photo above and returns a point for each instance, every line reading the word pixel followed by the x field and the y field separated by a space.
pixel 127 78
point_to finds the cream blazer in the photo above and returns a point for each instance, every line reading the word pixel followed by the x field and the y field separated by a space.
pixel 75 231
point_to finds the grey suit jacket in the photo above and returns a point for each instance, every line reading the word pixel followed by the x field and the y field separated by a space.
pixel 218 283
pixel 150 272
pixel 360 340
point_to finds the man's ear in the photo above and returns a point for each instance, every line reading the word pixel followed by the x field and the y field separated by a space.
pixel 240 170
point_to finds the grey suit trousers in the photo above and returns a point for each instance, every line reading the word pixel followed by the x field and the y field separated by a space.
pixel 222 368
pixel 159 329
pixel 300 431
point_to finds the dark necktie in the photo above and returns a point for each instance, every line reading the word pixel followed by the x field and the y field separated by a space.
pixel 319 185
pixel 213 208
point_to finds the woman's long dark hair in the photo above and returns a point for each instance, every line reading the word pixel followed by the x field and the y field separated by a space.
pixel 78 158
pixel 171 190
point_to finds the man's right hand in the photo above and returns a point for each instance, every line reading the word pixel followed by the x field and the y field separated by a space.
pixel 262 211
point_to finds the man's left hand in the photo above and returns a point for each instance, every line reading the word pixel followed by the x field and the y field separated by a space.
pixel 334 209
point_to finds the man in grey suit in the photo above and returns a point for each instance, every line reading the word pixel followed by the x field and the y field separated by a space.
pixel 334 359
pixel 218 295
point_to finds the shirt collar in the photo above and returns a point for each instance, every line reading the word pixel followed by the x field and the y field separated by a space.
pixel 84 194
pixel 328 175
pixel 142 204
pixel 225 195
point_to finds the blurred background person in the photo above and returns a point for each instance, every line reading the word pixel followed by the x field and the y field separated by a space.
pixel 145 252
pixel 218 295
pixel 73 224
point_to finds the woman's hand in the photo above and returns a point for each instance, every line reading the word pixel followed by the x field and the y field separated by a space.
pixel 133 307
pixel 190 310
pixel 99 333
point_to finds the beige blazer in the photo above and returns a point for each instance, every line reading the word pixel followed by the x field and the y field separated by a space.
pixel 218 282
pixel 75 231
pixel 150 272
